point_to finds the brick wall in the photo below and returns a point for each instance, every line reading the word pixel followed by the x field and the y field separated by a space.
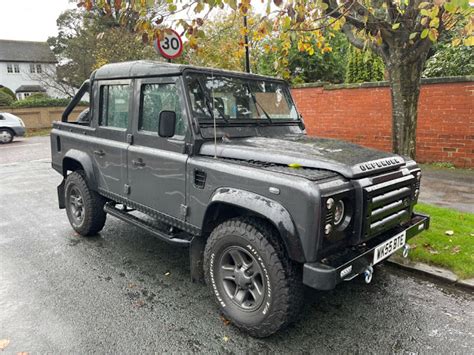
pixel 361 113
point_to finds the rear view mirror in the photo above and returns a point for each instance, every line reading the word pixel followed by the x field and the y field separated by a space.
pixel 167 124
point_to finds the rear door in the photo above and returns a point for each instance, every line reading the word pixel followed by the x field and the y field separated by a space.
pixel 112 121
pixel 156 165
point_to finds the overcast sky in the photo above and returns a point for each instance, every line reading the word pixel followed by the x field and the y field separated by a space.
pixel 30 20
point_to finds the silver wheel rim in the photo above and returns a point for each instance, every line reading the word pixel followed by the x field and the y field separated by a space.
pixel 5 136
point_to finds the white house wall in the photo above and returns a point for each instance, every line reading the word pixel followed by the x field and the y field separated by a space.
pixel 14 80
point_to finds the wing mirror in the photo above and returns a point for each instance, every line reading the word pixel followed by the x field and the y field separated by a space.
pixel 167 124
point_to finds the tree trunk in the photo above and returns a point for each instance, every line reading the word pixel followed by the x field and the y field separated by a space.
pixel 404 79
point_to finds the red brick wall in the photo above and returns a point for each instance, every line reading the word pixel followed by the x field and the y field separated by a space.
pixel 362 114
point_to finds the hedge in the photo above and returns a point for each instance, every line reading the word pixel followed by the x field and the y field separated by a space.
pixel 44 102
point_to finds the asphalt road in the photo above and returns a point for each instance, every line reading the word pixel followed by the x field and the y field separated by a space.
pixel 126 292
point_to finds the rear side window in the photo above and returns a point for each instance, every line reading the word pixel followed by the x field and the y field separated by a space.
pixel 156 98
pixel 114 106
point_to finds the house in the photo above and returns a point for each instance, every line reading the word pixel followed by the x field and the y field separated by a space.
pixel 27 67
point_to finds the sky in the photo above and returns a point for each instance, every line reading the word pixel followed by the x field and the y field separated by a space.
pixel 30 20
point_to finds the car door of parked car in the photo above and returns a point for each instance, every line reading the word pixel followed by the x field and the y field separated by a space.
pixel 157 165
pixel 112 123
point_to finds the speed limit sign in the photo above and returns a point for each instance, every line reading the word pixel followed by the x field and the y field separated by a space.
pixel 170 45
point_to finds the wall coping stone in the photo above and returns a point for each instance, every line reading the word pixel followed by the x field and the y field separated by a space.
pixel 376 84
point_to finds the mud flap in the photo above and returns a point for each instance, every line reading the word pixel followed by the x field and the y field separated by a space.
pixel 61 198
pixel 196 259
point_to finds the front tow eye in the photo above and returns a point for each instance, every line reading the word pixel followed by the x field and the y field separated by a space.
pixel 368 274
pixel 406 250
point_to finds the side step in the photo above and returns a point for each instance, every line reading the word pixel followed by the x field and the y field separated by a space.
pixel 124 216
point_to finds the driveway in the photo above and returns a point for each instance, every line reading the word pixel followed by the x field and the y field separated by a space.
pixel 126 292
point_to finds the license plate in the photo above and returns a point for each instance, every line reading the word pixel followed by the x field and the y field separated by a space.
pixel 389 247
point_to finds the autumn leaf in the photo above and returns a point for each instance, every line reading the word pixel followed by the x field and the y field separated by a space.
pixel 450 232
pixel 456 249
pixel 395 26
pixel 226 338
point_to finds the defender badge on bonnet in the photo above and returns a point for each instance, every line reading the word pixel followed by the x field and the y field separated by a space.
pixel 379 164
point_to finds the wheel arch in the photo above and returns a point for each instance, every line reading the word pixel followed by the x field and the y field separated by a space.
pixel 227 203
pixel 77 160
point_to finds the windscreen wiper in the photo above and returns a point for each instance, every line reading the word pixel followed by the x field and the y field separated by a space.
pixel 258 104
pixel 208 103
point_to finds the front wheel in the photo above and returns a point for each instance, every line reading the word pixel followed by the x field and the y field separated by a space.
pixel 255 284
pixel 84 207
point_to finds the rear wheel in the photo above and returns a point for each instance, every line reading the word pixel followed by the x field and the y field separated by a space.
pixel 6 136
pixel 255 284
pixel 84 207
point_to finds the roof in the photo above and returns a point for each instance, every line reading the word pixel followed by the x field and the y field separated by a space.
pixel 146 68
pixel 25 51
pixel 30 88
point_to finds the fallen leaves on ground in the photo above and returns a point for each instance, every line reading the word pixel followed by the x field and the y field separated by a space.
pixel 430 249
pixel 167 273
pixel 456 249
pixel 450 233
pixel 226 338
pixel 4 343
pixel 225 321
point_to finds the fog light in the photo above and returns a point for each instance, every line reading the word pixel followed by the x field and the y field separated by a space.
pixel 330 203
pixel 339 212
pixel 327 229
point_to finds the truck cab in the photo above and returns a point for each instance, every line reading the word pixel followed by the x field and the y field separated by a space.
pixel 219 162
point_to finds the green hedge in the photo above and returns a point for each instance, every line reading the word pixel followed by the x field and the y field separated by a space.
pixel 5 99
pixel 44 102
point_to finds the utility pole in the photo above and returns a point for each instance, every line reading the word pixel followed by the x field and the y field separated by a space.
pixel 246 43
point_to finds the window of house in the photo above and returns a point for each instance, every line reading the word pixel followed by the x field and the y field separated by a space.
pixel 39 69
pixel 9 68
pixel 156 98
pixel 114 106
pixel 32 68
pixel 16 68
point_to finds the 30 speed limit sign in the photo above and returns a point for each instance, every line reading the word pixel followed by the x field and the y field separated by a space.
pixel 170 45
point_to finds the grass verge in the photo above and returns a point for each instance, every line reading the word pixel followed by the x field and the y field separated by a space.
pixel 36 132
pixel 454 252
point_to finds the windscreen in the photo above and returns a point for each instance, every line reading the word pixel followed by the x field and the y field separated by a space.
pixel 231 99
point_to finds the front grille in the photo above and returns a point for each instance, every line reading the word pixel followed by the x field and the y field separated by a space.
pixel 387 204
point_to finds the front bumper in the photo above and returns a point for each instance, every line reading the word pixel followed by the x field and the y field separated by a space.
pixel 349 263
pixel 19 131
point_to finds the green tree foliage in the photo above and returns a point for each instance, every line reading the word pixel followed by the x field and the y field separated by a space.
pixel 363 66
pixel 5 99
pixel 304 67
pixel 450 61
pixel 8 92
pixel 87 40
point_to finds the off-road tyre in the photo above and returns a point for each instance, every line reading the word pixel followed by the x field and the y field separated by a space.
pixel 283 289
pixel 93 216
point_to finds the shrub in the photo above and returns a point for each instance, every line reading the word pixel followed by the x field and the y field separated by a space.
pixel 363 67
pixel 8 92
pixel 5 99
pixel 37 96
pixel 45 102
pixel 450 61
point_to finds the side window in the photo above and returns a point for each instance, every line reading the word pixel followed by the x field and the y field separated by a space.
pixel 114 106
pixel 156 98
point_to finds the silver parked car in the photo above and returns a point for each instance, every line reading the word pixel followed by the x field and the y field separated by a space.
pixel 10 126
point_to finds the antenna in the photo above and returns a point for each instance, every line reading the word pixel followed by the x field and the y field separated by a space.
pixel 213 115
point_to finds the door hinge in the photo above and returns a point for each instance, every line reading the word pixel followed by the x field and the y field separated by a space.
pixel 126 189
pixel 184 211
pixel 129 138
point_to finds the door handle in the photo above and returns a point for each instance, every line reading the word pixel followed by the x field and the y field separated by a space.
pixel 138 163
pixel 100 153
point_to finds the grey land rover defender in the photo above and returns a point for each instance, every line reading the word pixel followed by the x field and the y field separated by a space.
pixel 219 162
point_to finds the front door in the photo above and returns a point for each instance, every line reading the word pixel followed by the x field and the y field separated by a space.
pixel 156 165
pixel 109 148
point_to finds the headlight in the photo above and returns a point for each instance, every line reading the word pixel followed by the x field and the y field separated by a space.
pixel 339 212
pixel 338 216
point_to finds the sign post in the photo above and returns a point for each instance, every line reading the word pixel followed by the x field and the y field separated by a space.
pixel 169 45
